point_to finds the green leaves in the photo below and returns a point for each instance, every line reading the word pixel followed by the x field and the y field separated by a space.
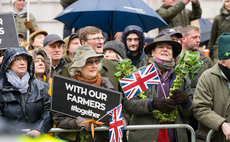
pixel 189 62
pixel 124 69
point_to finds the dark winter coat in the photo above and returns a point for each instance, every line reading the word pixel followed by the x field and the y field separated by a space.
pixel 30 110
pixel 177 15
pixel 134 29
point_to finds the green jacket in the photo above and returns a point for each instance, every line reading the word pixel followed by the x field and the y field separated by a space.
pixel 220 25
pixel 21 28
pixel 141 116
pixel 67 2
pixel 177 15
pixel 211 103
pixel 108 68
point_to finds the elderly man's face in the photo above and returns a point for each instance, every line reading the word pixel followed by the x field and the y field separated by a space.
pixel 169 2
pixel 55 50
pixel 96 41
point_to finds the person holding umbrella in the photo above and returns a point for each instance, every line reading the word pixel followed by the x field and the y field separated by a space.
pixel 162 52
pixel 20 16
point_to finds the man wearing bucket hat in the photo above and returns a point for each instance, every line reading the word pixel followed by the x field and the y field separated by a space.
pixel 162 52
pixel 36 39
pixel 85 68
pixel 54 47
pixel 211 97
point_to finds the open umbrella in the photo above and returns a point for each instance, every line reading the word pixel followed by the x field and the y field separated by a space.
pixel 111 15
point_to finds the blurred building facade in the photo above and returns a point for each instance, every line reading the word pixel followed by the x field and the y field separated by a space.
pixel 45 11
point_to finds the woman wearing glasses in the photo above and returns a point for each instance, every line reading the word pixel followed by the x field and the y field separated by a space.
pixel 24 101
pixel 85 68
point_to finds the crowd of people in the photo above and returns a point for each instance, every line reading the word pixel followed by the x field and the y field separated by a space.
pixel 86 56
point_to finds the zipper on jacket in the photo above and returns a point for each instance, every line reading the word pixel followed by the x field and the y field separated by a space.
pixel 23 100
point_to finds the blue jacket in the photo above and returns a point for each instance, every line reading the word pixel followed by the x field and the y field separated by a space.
pixel 134 29
pixel 30 110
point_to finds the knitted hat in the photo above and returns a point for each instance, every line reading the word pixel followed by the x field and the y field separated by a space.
pixel 117 47
pixel 224 46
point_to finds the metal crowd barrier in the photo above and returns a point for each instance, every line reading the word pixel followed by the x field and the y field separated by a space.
pixel 208 138
pixel 134 127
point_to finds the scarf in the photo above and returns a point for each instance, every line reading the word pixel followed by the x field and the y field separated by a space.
pixel 225 12
pixel 225 70
pixel 95 81
pixel 21 84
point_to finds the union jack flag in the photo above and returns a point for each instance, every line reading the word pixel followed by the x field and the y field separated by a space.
pixel 139 81
pixel 116 124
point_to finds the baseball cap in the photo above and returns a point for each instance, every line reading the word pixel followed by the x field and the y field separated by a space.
pixel 171 32
pixel 52 38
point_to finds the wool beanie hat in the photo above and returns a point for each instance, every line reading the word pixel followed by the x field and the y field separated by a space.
pixel 224 46
pixel 116 46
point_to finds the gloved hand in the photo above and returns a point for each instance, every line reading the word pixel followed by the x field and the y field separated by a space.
pixel 180 97
pixel 80 119
pixel 29 26
pixel 164 105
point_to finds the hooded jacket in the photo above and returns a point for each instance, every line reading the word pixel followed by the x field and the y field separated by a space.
pixel 19 19
pixel 134 29
pixel 47 58
pixel 30 110
pixel 220 25
pixel 66 46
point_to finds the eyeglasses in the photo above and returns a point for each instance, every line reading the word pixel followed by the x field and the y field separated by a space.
pixel 130 39
pixel 18 59
pixel 97 39
pixel 90 62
